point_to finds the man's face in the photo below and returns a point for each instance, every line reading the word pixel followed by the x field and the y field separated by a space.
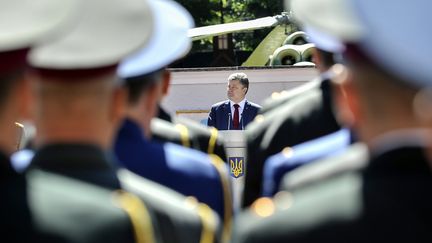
pixel 236 91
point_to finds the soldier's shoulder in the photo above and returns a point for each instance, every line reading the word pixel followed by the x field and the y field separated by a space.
pixel 180 218
pixel 195 128
pixel 165 131
pixel 353 159
pixel 160 124
pixel 186 157
pixel 56 202
pixel 285 116
pixel 305 213
pixel 279 98
pixel 173 130
pixel 303 154
pixel 190 134
pixel 314 149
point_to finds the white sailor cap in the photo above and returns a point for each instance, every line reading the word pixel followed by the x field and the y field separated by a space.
pixel 25 23
pixel 394 34
pixel 168 43
pixel 324 41
pixel 104 34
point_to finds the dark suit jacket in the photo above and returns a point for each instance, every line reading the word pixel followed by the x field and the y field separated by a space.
pixel 220 115
pixel 303 114
pixel 389 200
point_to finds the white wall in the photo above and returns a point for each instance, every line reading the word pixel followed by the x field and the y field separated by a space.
pixel 198 89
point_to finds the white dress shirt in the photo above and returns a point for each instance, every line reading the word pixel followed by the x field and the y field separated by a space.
pixel 241 108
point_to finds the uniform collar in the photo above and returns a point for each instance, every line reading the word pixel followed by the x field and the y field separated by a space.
pixel 83 162
pixel 70 157
pixel 400 161
pixel 132 129
pixel 399 151
pixel 6 170
pixel 397 139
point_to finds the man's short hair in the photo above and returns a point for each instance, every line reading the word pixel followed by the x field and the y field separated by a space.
pixel 6 83
pixel 139 84
pixel 242 78
pixel 327 58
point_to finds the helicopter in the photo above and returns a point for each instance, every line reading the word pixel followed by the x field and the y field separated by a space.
pixel 284 45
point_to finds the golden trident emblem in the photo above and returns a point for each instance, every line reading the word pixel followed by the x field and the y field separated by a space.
pixel 236 164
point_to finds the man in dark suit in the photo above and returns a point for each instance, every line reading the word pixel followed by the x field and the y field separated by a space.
pixel 382 98
pixel 237 112
pixel 79 104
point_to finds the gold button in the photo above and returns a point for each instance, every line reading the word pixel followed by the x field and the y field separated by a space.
pixel 263 207
pixel 259 118
pixel 191 202
pixel 288 152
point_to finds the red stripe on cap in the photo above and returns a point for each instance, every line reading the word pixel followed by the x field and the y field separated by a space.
pixel 13 60
pixel 73 74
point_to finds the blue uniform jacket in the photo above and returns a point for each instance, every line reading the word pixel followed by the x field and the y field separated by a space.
pixel 278 165
pixel 220 115
pixel 185 170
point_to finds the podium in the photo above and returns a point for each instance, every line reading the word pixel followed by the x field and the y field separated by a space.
pixel 235 148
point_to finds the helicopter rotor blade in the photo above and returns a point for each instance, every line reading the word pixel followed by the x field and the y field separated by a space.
pixel 220 29
pixel 273 40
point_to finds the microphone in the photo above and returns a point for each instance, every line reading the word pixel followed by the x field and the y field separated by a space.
pixel 229 121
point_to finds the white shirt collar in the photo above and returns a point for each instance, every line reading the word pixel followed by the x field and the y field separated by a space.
pixel 241 108
pixel 241 104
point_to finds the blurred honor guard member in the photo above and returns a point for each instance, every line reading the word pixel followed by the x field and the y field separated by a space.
pixel 294 117
pixel 237 112
pixel 292 157
pixel 180 131
pixel 381 97
pixel 187 171
pixel 23 24
pixel 78 107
